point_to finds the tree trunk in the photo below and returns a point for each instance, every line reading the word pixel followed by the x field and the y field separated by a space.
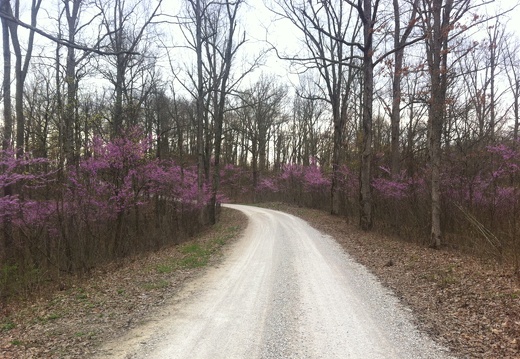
pixel 516 107
pixel 437 57
pixel 336 160
pixel 399 43
pixel 18 105
pixel 262 144
pixel 6 84
pixel 254 165
pixel 199 103
pixel 366 221
pixel 435 128
pixel 7 241
pixel 493 57
pixel 220 100
pixel 396 93
pixel 21 68
pixel 118 105
pixel 70 79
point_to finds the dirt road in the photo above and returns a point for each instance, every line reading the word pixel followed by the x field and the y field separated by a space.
pixel 284 291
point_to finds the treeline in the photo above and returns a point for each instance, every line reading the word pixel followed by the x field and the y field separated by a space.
pixel 126 123
pixel 480 199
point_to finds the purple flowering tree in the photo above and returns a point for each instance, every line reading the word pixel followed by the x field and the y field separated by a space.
pixel 23 205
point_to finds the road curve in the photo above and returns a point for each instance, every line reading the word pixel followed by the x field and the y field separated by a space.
pixel 284 291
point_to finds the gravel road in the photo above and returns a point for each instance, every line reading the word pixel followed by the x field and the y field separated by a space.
pixel 284 291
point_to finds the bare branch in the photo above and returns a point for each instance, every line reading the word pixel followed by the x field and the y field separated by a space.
pixel 62 41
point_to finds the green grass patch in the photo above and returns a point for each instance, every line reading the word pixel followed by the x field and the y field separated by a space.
pixel 192 248
pixel 197 255
pixel 46 319
pixel 158 284
pixel 53 316
pixel 7 326
pixel 166 268
pixel 85 335
pixel 193 261
pixel 81 295
pixel 227 234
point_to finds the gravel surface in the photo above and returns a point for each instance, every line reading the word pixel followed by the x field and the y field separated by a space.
pixel 284 291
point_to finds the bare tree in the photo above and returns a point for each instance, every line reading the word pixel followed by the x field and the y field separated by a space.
pixel 22 62
pixel 7 241
pixel 211 30
pixel 512 64
pixel 308 113
pixel 322 36
pixel 126 33
pixel 10 32
pixel 368 12
pixel 400 40
pixel 438 19
pixel 436 22
pixel 479 70
pixel 192 28
pixel 73 9
pixel 222 46
pixel 495 40
pixel 6 84
pixel 330 32
pixel 40 108
pixel 368 18
pixel 260 109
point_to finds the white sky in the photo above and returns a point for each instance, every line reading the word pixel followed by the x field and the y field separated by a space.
pixel 284 33
pixel 514 23
pixel 258 21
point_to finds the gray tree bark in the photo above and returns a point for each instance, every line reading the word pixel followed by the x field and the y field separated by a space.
pixel 21 65
pixel 72 15
pixel 366 220
pixel 399 45
pixel 7 241
pixel 437 24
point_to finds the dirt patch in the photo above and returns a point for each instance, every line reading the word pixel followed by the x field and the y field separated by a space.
pixel 466 304
pixel 71 322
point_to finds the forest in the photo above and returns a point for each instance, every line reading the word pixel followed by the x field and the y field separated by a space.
pixel 126 123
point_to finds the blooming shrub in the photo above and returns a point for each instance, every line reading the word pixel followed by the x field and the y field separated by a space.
pixel 28 176
pixel 119 200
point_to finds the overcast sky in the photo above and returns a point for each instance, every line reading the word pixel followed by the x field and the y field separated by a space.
pixel 285 35
pixel 258 20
